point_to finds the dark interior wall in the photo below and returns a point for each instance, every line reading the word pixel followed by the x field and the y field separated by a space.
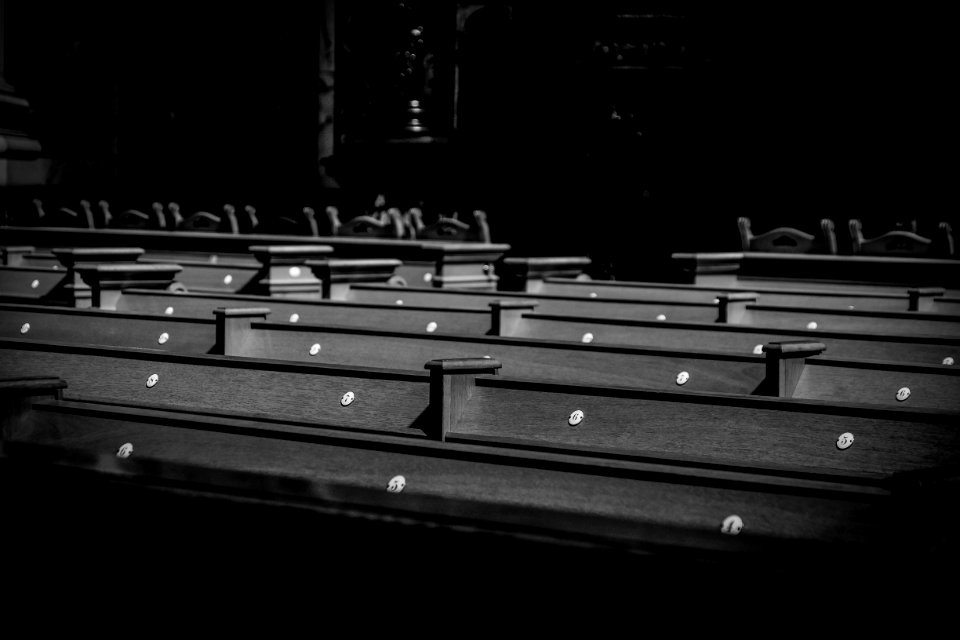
pixel 784 114
pixel 170 101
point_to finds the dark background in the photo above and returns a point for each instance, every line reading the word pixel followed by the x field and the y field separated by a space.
pixel 786 114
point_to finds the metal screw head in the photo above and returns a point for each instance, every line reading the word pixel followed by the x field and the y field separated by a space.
pixel 227 279
pixel 294 317
pixel 845 440
pixel 682 377
pixel 850 306
pixel 396 484
pixel 811 325
pixel 152 380
pixel 758 350
pixel 34 284
pixel 294 272
pixel 427 277
pixel 346 399
pixel 125 450
pixel 575 418
pixel 399 301
pixel 431 327
pixel 587 338
pixel 315 349
pixel 947 360
pixel 163 338
pixel 593 294
pixel 732 525
pixel 903 393
pixel 661 317
pixel 25 327
pixel 168 311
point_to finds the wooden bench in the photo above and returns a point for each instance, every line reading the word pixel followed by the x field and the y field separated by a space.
pixel 57 280
pixel 458 400
pixel 674 302
pixel 789 369
pixel 866 273
pixel 440 264
pixel 928 299
pixel 652 505
pixel 737 338
pixel 497 319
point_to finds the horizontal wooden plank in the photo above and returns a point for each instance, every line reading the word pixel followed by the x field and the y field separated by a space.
pixel 738 338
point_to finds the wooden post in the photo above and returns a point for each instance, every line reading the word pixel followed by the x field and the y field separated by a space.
pixel 785 362
pixel 922 299
pixel 233 327
pixel 284 272
pixel 506 315
pixel 528 274
pixel 13 256
pixel 733 306
pixel 72 290
pixel 337 276
pixel 451 384
pixel 107 281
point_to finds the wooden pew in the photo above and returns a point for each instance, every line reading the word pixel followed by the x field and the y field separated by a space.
pixel 453 403
pixel 739 308
pixel 440 264
pixel 791 369
pixel 929 299
pixel 674 302
pixel 57 281
pixel 212 272
pixel 890 322
pixel 737 338
pixel 508 317
pixel 497 319
pixel 652 505
pixel 867 273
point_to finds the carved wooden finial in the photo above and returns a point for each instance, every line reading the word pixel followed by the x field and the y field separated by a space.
pixel 483 229
pixel 397 220
pixel 231 214
pixel 105 210
pixel 333 215
pixel 829 235
pixel 87 214
pixel 745 233
pixel 311 221
pixel 161 220
pixel 174 209
pixel 252 216
pixel 946 235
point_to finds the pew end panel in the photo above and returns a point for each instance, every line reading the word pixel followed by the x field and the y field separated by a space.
pixel 285 273
pixel 526 274
pixel 107 281
pixel 339 275
pixel 17 395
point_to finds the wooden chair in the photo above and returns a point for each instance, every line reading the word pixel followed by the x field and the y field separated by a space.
pixel 788 239
pixel 304 224
pixel 903 243
pixel 134 219
pixel 206 221
pixel 388 224
pixel 451 228
pixel 65 216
